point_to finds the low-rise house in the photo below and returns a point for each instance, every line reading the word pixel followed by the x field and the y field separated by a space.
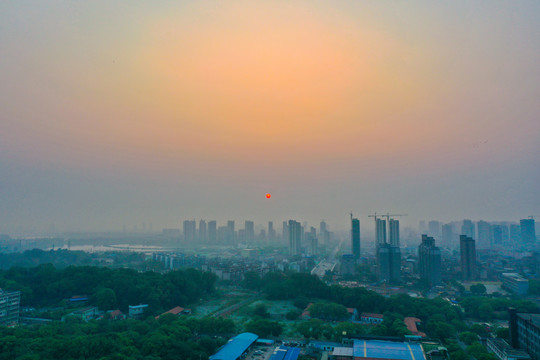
pixel 85 314
pixel 371 318
pixel 353 313
pixel 411 323
pixel 137 311
pixel 116 315
pixel 178 310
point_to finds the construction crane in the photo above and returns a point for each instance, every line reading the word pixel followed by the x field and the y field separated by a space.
pixel 387 215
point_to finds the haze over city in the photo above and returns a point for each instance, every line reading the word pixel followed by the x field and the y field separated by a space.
pixel 115 113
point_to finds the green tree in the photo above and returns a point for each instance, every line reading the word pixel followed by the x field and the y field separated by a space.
pixel 264 328
pixel 478 289
pixel 468 337
pixel 105 299
pixel 311 329
pixel 261 311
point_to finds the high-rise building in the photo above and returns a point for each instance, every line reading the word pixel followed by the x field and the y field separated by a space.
pixel 468 257
pixel 271 231
pixel 380 231
pixel 203 234
pixel 295 236
pixel 393 226
pixel 422 228
pixel 231 233
pixel 447 235
pixel 285 232
pixel 9 307
pixel 467 228
pixel 515 234
pixel 355 237
pixel 348 265
pixel 388 263
pixel 429 261
pixel 483 229
pixel 313 242
pixel 524 329
pixel 434 228
pixel 212 232
pixel 528 231
pixel 324 234
pixel 249 227
pixel 190 230
pixel 499 234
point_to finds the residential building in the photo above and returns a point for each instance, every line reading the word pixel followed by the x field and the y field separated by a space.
pixel 447 236
pixel 412 325
pixel 503 351
pixel 355 237
pixel 380 231
pixel 249 227
pixel 434 228
pixel 271 231
pixel 393 226
pixel 190 230
pixel 429 261
pixel 348 265
pixel 85 314
pixel 515 283
pixel 295 238
pixel 468 258
pixel 468 228
pixel 371 318
pixel 9 307
pixel 212 232
pixel 203 233
pixel 137 311
pixel 525 332
pixel 483 229
pixel 388 263
pixel 528 231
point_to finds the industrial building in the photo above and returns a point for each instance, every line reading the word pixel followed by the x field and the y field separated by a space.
pixel 285 353
pixel 236 347
pixel 379 349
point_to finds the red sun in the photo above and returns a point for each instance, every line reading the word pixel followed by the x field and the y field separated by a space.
pixel 268 196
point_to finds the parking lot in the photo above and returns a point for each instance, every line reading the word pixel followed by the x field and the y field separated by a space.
pixel 260 352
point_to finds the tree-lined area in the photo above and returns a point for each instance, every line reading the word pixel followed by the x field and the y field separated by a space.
pixel 170 337
pixel 107 288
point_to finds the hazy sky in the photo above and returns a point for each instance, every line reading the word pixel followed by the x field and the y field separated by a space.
pixel 131 112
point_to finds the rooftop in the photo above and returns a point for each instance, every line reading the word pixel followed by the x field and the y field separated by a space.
pixel 285 353
pixel 534 318
pixel 372 315
pixel 235 347
pixel 380 349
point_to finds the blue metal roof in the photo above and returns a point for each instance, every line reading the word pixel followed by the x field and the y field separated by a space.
pixel 381 349
pixel 235 347
pixel 285 353
pixel 292 354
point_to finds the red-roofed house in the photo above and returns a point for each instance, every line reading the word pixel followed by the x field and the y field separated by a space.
pixel 117 315
pixel 176 311
pixel 353 313
pixel 411 324
pixel 371 318
pixel 306 315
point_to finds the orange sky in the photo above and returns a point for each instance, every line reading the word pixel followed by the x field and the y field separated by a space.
pixel 332 94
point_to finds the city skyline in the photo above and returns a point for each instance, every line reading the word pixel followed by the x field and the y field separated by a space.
pixel 115 114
